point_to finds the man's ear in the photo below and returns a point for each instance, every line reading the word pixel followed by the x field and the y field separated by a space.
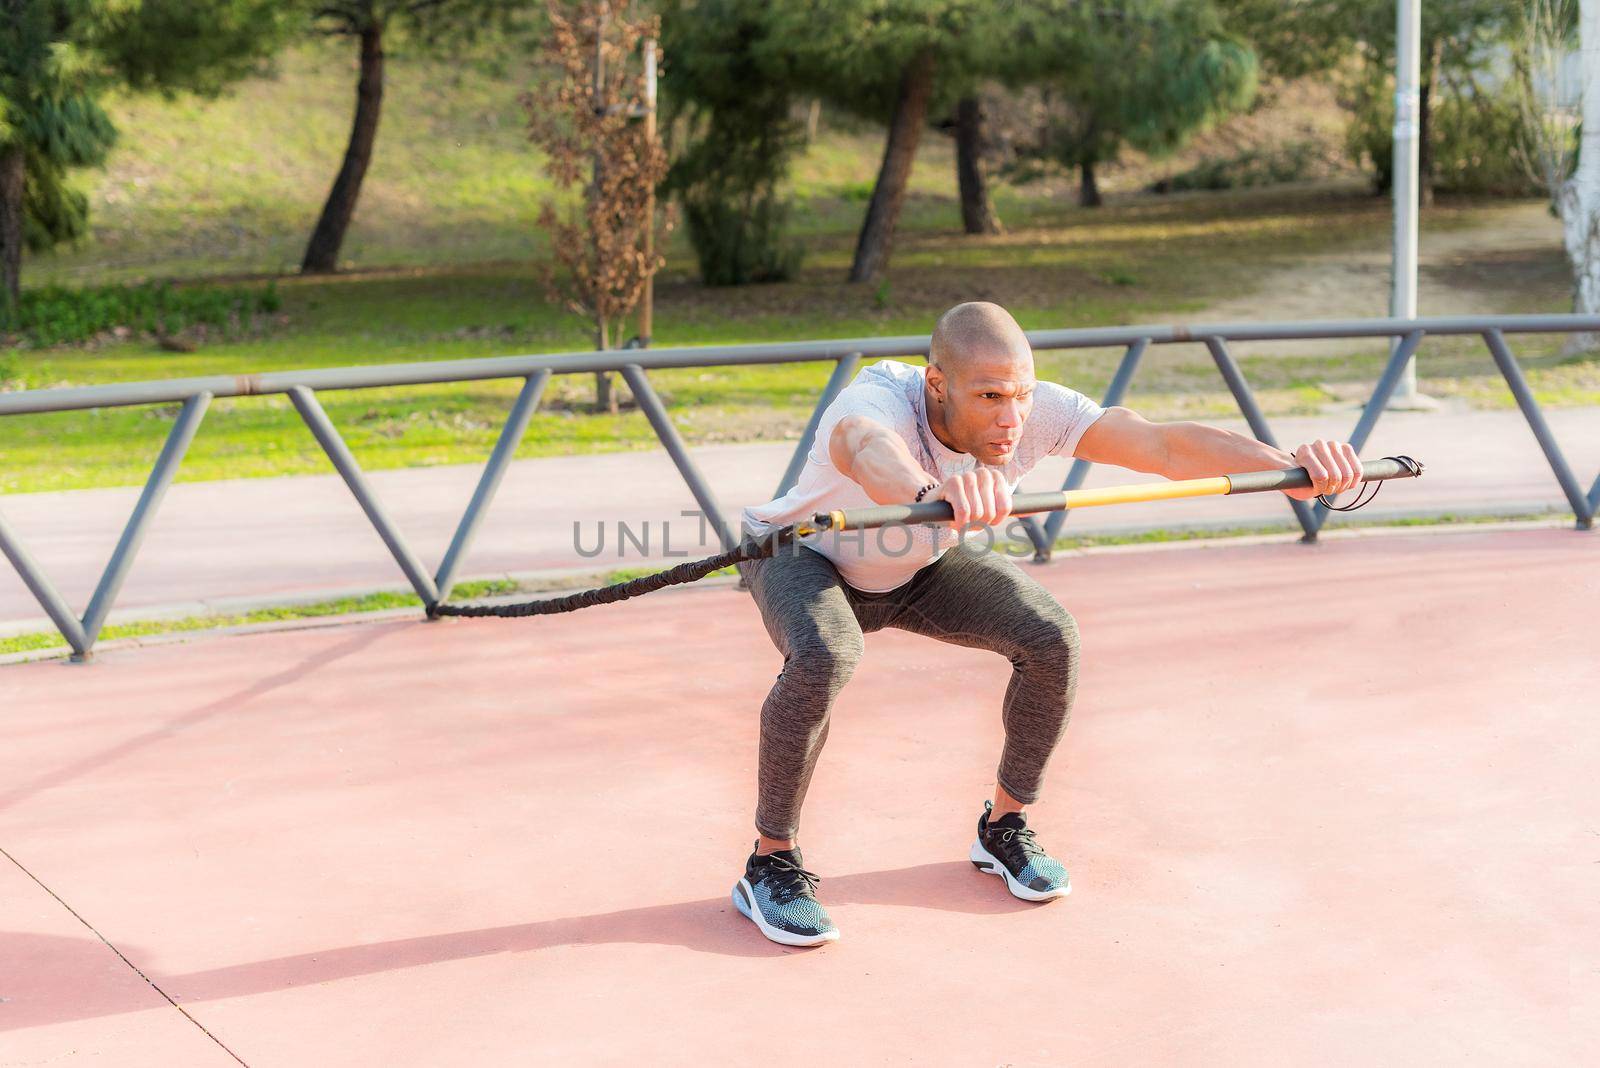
pixel 937 382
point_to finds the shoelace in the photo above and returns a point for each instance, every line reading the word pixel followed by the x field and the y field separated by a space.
pixel 1022 840
pixel 789 879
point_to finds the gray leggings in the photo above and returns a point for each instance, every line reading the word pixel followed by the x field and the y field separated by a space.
pixel 970 596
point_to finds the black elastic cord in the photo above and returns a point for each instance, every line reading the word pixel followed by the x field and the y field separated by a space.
pixel 1410 465
pixel 748 549
pixel 1326 503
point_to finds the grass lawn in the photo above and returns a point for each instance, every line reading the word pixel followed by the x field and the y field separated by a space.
pixel 448 259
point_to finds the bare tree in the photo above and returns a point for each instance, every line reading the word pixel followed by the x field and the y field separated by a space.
pixel 585 115
pixel 1540 55
pixel 1552 153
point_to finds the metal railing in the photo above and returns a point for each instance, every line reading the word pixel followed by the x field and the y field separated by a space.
pixel 196 395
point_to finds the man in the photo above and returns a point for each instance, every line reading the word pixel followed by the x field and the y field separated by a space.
pixel 965 429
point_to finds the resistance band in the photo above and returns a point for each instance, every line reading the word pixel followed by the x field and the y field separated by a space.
pixel 752 547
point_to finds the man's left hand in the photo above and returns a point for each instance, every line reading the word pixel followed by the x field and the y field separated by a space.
pixel 1333 465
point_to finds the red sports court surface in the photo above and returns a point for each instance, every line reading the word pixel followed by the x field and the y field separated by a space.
pixel 1322 805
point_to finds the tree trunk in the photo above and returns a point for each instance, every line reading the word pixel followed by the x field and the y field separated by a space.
pixel 977 211
pixel 13 173
pixel 905 129
pixel 1088 188
pixel 1430 74
pixel 1580 198
pixel 605 396
pixel 322 253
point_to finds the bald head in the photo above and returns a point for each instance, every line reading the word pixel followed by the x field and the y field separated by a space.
pixel 974 334
pixel 980 381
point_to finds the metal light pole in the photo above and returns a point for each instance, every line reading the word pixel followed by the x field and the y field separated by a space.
pixel 647 300
pixel 1407 164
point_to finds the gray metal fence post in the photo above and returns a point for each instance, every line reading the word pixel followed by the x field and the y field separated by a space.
pixel 1582 508
pixel 656 412
pixel 1258 422
pixel 504 449
pixel 344 462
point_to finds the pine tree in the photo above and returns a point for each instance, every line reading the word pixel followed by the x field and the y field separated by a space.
pixel 426 23
pixel 900 62
pixel 57 59
pixel 1146 74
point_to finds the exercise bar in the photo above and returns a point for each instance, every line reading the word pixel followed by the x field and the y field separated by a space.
pixel 1028 503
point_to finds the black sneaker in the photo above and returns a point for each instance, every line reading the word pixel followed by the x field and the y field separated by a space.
pixel 1007 848
pixel 778 895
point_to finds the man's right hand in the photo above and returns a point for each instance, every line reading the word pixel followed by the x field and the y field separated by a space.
pixel 978 496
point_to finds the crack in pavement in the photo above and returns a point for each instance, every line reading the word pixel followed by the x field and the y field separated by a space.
pixel 136 970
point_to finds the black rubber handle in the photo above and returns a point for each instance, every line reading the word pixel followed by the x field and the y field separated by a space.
pixel 931 512
pixel 1298 478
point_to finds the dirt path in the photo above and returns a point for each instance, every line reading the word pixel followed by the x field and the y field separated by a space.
pixel 1508 261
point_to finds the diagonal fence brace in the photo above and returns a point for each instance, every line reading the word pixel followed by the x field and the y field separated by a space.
pixel 1387 381
pixel 82 634
pixel 661 423
pixel 310 409
pixel 843 371
pixel 489 482
pixel 1044 539
pixel 1583 507
pixel 1258 422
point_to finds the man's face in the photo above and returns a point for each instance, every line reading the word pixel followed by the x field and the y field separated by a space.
pixel 987 399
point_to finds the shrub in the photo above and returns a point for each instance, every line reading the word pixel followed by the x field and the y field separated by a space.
pixel 1475 136
pixel 1293 162
pixel 740 242
pixel 57 315
pixel 735 108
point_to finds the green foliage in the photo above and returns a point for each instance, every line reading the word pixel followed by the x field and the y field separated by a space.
pixel 1292 162
pixel 738 112
pixel 738 243
pixel 1295 38
pixel 56 315
pixel 198 46
pixel 851 52
pixel 57 57
pixel 51 116
pixel 1474 139
pixel 1146 74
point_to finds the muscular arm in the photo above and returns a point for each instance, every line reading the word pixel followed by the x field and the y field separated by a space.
pixel 1174 450
pixel 876 457
pixel 1194 450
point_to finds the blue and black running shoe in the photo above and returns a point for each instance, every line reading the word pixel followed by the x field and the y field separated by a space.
pixel 779 896
pixel 1007 848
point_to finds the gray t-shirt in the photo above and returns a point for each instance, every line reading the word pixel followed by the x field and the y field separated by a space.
pixel 891 392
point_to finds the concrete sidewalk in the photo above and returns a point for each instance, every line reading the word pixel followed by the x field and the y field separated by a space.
pixel 226 545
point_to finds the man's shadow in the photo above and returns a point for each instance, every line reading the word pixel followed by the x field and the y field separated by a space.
pixel 55 990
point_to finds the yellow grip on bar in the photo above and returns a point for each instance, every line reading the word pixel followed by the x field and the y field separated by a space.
pixel 1157 491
